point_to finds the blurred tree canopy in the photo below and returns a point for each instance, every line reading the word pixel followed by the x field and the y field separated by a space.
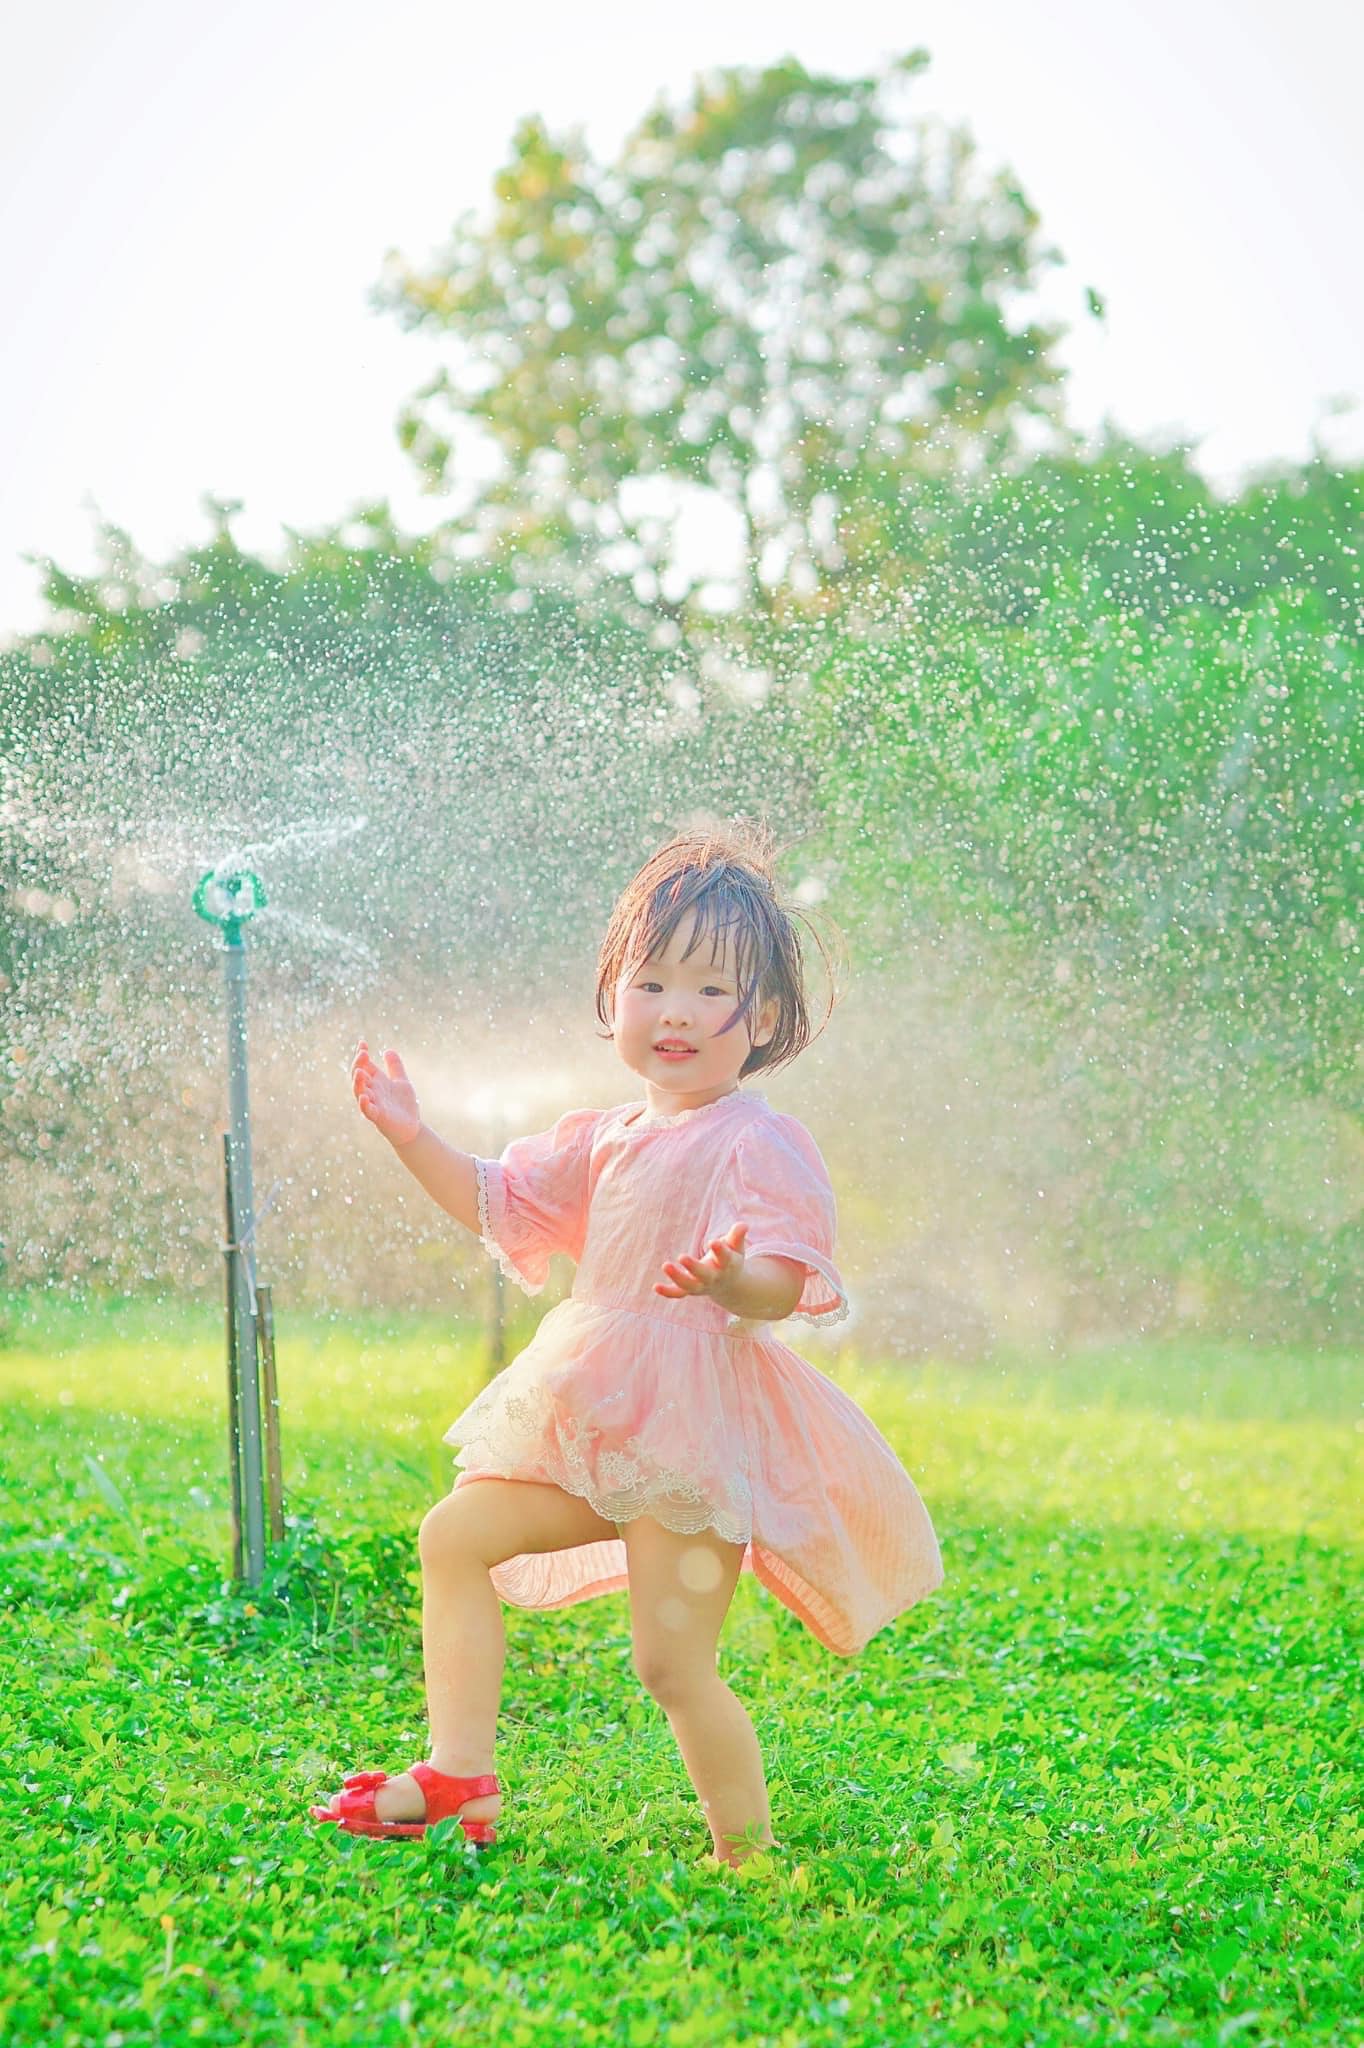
pixel 787 294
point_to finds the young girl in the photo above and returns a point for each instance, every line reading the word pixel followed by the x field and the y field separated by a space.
pixel 654 1434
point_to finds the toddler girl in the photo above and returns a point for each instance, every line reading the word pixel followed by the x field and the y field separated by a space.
pixel 654 1435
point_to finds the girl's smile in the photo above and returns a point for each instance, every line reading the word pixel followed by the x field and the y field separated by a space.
pixel 670 1014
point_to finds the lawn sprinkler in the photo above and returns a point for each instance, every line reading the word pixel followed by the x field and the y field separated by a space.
pixel 228 900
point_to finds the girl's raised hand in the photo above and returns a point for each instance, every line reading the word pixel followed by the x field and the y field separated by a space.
pixel 711 1275
pixel 388 1099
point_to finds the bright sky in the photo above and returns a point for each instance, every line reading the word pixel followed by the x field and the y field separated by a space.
pixel 195 201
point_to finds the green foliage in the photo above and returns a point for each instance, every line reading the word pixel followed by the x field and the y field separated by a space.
pixel 1070 708
pixel 1174 795
pixel 778 290
pixel 1153 823
pixel 1123 530
pixel 1104 720
pixel 1100 1786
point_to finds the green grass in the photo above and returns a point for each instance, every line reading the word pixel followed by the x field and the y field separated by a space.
pixel 1102 1786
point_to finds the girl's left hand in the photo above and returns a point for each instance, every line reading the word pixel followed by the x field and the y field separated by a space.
pixel 713 1274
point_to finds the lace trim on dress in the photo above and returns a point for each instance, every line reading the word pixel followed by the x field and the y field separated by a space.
pixel 513 1430
pixel 490 1244
pixel 828 1315
pixel 659 1511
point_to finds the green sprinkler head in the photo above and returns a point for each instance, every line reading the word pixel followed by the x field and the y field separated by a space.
pixel 219 899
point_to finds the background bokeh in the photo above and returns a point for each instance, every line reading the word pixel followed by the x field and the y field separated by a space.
pixel 1065 743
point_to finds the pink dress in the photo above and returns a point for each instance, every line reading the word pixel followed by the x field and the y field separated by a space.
pixel 642 1404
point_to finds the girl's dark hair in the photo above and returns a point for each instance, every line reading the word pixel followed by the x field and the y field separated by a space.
pixel 725 876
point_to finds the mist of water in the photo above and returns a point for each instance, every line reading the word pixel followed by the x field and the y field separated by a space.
pixel 1026 1139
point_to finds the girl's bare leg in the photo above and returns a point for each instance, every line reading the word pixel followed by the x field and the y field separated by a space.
pixel 680 1590
pixel 475 1526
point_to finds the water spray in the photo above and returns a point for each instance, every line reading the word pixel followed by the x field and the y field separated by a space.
pixel 229 900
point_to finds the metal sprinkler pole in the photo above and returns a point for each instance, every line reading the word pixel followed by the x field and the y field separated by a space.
pixel 243 1238
pixel 234 1419
pixel 243 1368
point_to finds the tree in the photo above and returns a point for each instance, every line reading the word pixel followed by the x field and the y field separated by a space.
pixel 783 295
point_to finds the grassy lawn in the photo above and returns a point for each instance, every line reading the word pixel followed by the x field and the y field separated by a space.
pixel 1102 1786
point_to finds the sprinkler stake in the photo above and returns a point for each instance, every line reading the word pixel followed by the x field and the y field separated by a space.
pixel 228 901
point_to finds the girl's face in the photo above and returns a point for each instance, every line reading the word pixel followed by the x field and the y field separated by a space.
pixel 687 1000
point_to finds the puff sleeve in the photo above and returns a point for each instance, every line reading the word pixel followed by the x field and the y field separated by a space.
pixel 777 1183
pixel 532 1201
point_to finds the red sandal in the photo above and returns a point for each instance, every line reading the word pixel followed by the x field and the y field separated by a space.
pixel 352 1810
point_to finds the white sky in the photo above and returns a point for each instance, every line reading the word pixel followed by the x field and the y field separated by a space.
pixel 195 201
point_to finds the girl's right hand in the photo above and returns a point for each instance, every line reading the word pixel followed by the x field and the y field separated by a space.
pixel 388 1099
